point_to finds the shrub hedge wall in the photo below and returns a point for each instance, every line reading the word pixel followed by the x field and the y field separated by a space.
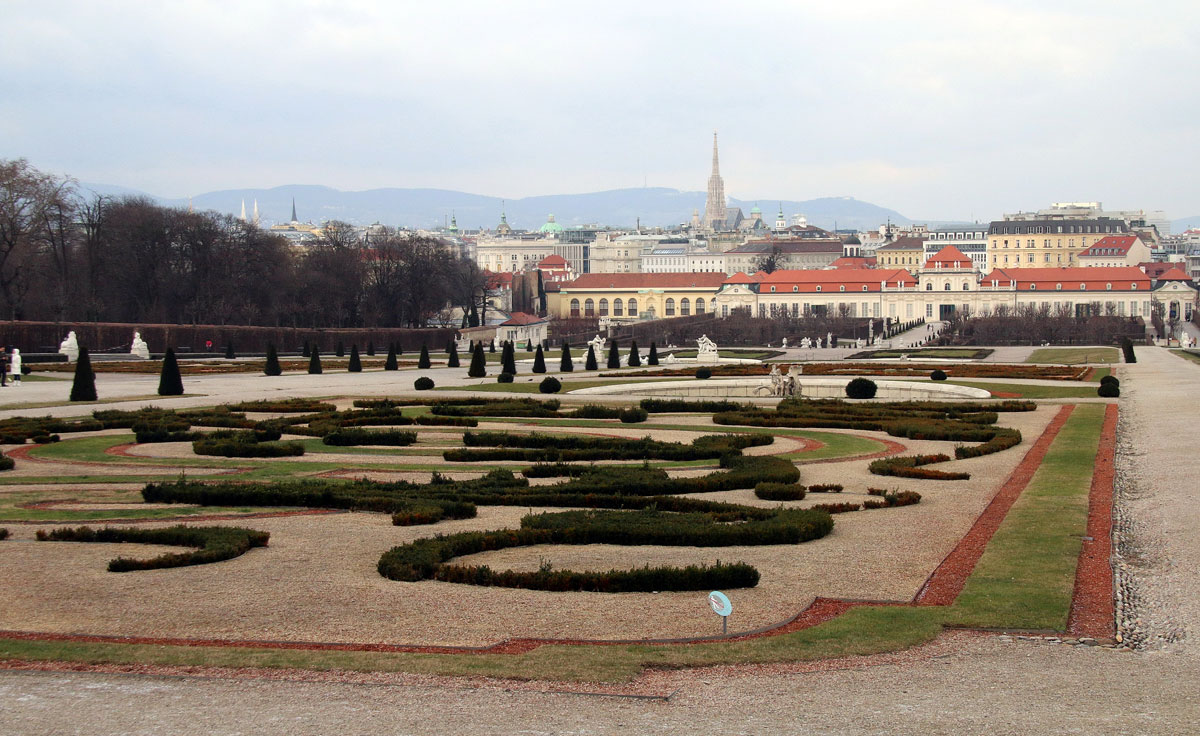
pixel 213 543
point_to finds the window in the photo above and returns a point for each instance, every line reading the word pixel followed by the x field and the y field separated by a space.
pixel 772 289
pixel 603 307
pixel 669 308
pixel 1108 287
pixel 589 308
pixel 928 287
pixel 1033 287
pixel 1083 287
pixel 714 303
pixel 1133 287
pixel 966 286
pixel 946 286
pixel 685 307
pixel 633 308
pixel 574 307
pixel 618 308
pixel 795 288
pixel 864 287
pixel 842 287
pixel 818 287
pixel 700 305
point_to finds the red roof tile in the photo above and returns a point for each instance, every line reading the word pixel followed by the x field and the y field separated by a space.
pixel 1120 243
pixel 833 279
pixel 517 319
pixel 553 261
pixel 1122 278
pixel 949 257
pixel 1174 274
pixel 647 281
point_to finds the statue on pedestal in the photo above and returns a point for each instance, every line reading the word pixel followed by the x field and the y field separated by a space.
pixel 776 381
pixel 139 347
pixel 784 344
pixel 706 349
pixel 70 347
pixel 597 344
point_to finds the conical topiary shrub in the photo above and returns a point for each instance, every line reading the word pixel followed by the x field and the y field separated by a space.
pixel 614 357
pixel 591 364
pixel 508 361
pixel 229 354
pixel 423 361
pixel 314 361
pixel 452 361
pixel 390 364
pixel 355 363
pixel 341 350
pixel 529 346
pixel 371 348
pixel 565 363
pixel 539 361
pixel 635 360
pixel 652 358
pixel 84 386
pixel 170 383
pixel 492 346
pixel 478 367
pixel 272 368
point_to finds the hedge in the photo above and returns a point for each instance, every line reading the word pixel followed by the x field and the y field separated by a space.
pixel 861 388
pixel 504 378
pixel 1108 391
pixel 350 437
pixel 779 491
pixel 424 383
pixel 633 415
pixel 550 385
pixel 283 406
pixel 213 543
pixel 539 447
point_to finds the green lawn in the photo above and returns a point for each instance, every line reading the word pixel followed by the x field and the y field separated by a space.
pixel 1074 356
pixel 1187 354
pixel 918 353
pixel 1023 581
pixel 1030 391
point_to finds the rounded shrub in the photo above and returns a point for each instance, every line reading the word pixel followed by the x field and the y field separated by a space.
pixel 504 378
pixel 1113 380
pixel 938 375
pixel 550 385
pixel 703 373
pixel 633 415
pixel 768 491
pixel 1108 391
pixel 424 383
pixel 861 388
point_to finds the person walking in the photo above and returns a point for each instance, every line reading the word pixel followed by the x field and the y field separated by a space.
pixel 15 366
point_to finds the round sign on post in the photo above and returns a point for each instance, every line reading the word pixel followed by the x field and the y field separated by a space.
pixel 722 607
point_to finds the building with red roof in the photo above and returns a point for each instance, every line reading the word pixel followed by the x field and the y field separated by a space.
pixel 1115 250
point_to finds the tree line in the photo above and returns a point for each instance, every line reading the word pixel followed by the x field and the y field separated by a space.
pixel 67 256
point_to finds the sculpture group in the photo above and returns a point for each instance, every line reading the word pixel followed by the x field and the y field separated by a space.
pixel 784 385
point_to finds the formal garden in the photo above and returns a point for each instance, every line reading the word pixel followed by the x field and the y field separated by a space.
pixel 509 518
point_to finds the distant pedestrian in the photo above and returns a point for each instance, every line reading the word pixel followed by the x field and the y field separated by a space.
pixel 15 366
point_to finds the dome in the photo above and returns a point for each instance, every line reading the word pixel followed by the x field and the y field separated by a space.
pixel 851 239
pixel 755 210
pixel 551 226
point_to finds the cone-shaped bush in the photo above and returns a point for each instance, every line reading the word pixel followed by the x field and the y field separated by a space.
pixel 452 361
pixel 614 357
pixel 229 354
pixel 478 367
pixel 390 363
pixel 635 359
pixel 529 346
pixel 314 361
pixel 423 361
pixel 341 350
pixel 355 363
pixel 565 364
pixel 84 387
pixel 371 348
pixel 272 367
pixel 170 383
pixel 492 346
pixel 508 361
pixel 652 358
pixel 591 363
pixel 539 361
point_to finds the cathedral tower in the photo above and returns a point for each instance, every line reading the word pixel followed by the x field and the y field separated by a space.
pixel 714 208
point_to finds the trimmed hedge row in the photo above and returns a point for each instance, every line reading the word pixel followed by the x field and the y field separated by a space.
pixel 213 543
pixel 779 491
pixel 538 447
pixel 673 406
pixel 284 406
pixel 909 466
pixel 252 443
pixel 350 437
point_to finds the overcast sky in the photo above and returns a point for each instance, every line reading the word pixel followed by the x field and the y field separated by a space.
pixel 941 110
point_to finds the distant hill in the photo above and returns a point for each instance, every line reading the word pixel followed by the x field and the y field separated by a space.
pixel 428 208
pixel 1187 223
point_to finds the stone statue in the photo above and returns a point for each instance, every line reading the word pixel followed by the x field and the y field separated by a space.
pixel 776 381
pixel 784 344
pixel 828 339
pixel 139 346
pixel 805 343
pixel 597 344
pixel 706 348
pixel 70 347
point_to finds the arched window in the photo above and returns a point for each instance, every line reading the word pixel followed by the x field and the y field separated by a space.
pixel 818 287
pixel 700 305
pixel 864 287
pixel 574 307
pixel 772 289
pixel 1133 287
pixel 685 307
pixel 603 307
pixel 928 287
pixel 1083 287
pixel 618 308
pixel 714 304
pixel 1058 287
pixel 633 308
pixel 1033 287
pixel 842 287
pixel 589 308
pixel 669 307
pixel 1109 287
pixel 946 286
pixel 795 288
pixel 966 286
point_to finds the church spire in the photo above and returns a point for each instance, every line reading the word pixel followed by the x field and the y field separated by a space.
pixel 242 216
pixel 714 208
pixel 716 169
pixel 294 210
pixel 255 220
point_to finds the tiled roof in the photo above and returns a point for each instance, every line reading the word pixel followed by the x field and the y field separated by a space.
pixel 788 246
pixel 853 262
pixel 1112 245
pixel 949 257
pixel 708 280
pixel 832 280
pixel 1122 278
pixel 553 261
pixel 905 243
pixel 518 319
pixel 739 278
pixel 1174 274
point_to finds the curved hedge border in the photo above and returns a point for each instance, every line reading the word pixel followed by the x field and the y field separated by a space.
pixel 353 436
pixel 538 447
pixel 213 543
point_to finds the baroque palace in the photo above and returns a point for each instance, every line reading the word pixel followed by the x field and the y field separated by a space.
pixel 949 283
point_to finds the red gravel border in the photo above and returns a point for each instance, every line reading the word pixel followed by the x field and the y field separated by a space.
pixel 1093 612
pixel 947 580
pixel 139 520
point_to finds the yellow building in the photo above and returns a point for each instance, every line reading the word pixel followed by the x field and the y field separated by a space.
pixel 1045 243
pixel 624 297
pixel 907 253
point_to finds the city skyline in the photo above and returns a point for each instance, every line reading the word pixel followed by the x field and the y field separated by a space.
pixel 937 112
